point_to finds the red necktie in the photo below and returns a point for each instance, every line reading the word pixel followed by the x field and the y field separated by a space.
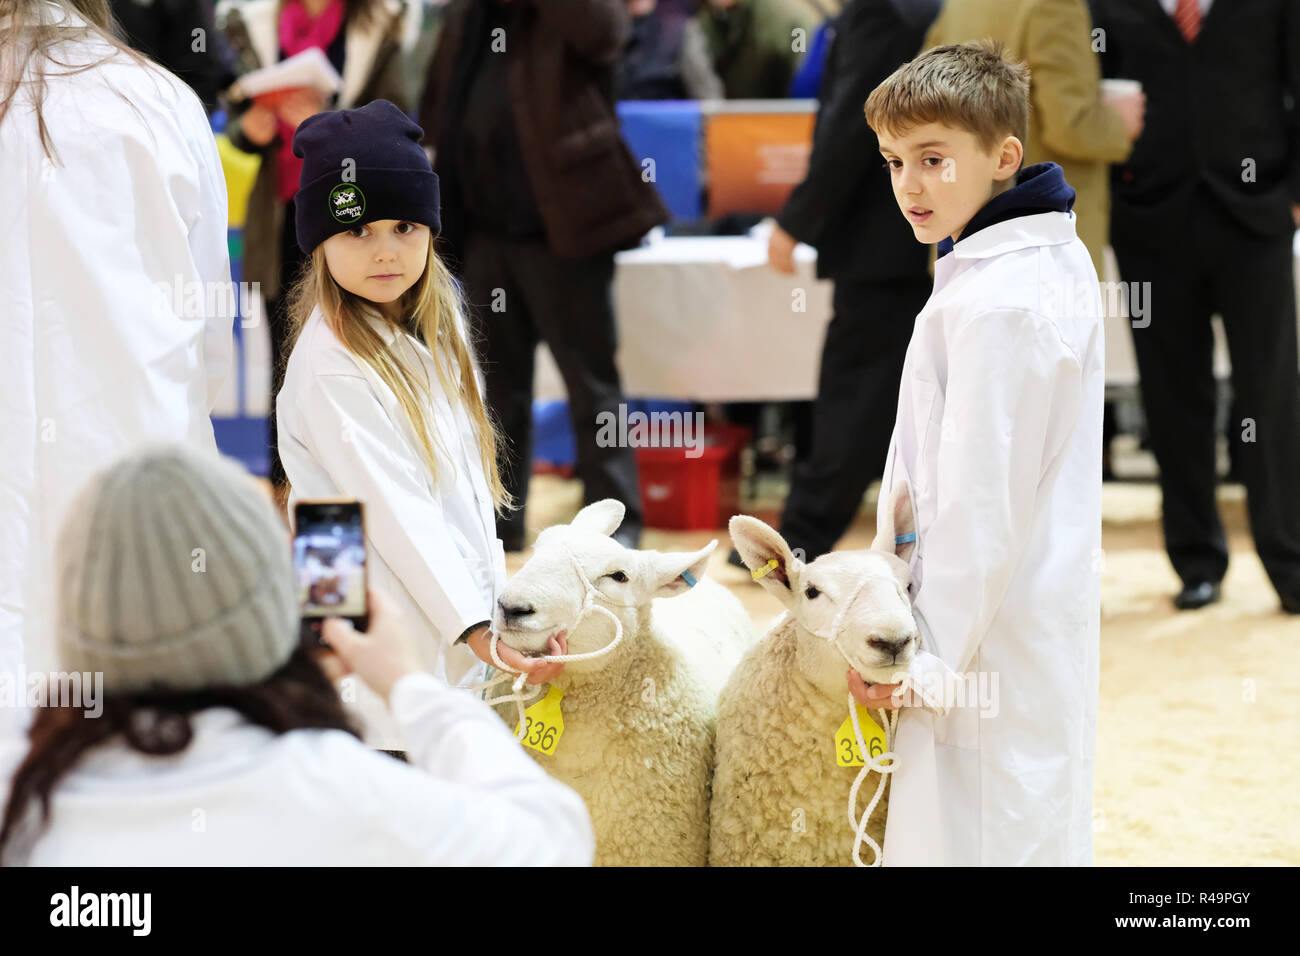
pixel 1187 15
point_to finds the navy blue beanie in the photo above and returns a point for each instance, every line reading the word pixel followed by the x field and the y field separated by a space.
pixel 360 166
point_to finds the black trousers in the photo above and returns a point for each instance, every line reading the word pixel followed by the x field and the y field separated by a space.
pixel 520 293
pixel 853 414
pixel 1207 265
pixel 279 327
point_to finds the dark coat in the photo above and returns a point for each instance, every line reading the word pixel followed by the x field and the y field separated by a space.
pixel 753 45
pixel 845 207
pixel 1211 106
pixel 561 59
pixel 164 31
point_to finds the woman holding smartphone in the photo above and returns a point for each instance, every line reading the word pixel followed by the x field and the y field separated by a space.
pixel 382 400
pixel 214 737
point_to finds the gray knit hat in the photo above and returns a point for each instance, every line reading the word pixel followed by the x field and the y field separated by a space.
pixel 175 573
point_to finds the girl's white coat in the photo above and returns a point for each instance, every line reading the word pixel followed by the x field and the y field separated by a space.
pixel 108 262
pixel 434 549
pixel 240 795
pixel 999 433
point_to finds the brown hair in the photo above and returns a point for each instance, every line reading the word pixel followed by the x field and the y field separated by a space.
pixel 970 86
pixel 431 307
pixel 297 696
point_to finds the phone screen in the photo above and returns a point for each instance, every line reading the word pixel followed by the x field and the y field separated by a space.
pixel 329 556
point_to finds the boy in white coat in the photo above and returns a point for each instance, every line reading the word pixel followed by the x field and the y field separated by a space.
pixel 999 434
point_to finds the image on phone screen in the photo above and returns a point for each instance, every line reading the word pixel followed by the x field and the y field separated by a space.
pixel 329 555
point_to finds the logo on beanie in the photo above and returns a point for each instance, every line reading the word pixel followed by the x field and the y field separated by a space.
pixel 347 203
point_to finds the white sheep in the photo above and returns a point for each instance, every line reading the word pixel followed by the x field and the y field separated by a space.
pixel 639 722
pixel 779 796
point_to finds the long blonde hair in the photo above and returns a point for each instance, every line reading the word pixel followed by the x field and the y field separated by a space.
pixel 30 39
pixel 431 308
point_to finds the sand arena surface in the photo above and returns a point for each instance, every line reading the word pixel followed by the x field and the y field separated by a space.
pixel 1199 715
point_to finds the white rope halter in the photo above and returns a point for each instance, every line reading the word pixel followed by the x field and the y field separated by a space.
pixel 883 764
pixel 589 606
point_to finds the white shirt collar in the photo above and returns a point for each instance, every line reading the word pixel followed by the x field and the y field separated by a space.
pixel 386 330
pixel 1171 5
pixel 1040 229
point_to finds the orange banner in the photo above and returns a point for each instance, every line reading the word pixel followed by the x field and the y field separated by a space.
pixel 754 160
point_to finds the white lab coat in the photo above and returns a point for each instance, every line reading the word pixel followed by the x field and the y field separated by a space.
pixel 240 795
pixel 434 549
pixel 106 341
pixel 999 434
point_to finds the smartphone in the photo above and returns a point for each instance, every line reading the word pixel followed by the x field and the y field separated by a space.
pixel 329 558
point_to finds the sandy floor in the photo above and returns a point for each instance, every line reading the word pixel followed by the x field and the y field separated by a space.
pixel 1199 713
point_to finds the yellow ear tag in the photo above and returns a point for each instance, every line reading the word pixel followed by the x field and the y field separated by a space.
pixel 846 745
pixel 545 724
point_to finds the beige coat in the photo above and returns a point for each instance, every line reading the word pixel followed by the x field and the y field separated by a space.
pixel 372 70
pixel 1068 123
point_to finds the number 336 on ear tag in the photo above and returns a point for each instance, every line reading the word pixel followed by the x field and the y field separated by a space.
pixel 545 725
pixel 846 745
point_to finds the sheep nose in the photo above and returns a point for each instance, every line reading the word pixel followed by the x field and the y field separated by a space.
pixel 514 611
pixel 889 644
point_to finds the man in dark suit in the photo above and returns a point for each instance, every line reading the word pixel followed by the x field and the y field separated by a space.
pixel 845 208
pixel 1203 211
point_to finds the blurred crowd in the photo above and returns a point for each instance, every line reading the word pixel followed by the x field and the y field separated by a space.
pixel 675 49
pixel 513 222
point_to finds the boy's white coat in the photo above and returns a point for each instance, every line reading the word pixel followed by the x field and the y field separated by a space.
pixel 433 549
pixel 96 356
pixel 999 433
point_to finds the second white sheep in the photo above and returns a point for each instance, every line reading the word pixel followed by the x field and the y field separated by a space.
pixel 780 795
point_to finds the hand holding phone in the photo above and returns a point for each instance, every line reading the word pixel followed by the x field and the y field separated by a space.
pixel 329 557
pixel 381 656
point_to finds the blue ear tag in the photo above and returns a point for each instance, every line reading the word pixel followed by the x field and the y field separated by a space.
pixel 688 578
pixel 905 538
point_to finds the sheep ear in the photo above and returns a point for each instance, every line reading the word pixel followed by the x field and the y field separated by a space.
pixel 895 525
pixel 767 556
pixel 677 572
pixel 601 516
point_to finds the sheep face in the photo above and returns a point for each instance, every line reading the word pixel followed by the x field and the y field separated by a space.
pixel 851 607
pixel 546 596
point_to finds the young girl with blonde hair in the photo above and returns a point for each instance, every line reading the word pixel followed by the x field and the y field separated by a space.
pixel 381 398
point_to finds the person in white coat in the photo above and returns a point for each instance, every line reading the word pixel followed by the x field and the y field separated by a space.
pixel 114 284
pixel 216 738
pixel 381 398
pixel 999 436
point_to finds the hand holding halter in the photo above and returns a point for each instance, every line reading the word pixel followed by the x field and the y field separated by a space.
pixel 589 606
